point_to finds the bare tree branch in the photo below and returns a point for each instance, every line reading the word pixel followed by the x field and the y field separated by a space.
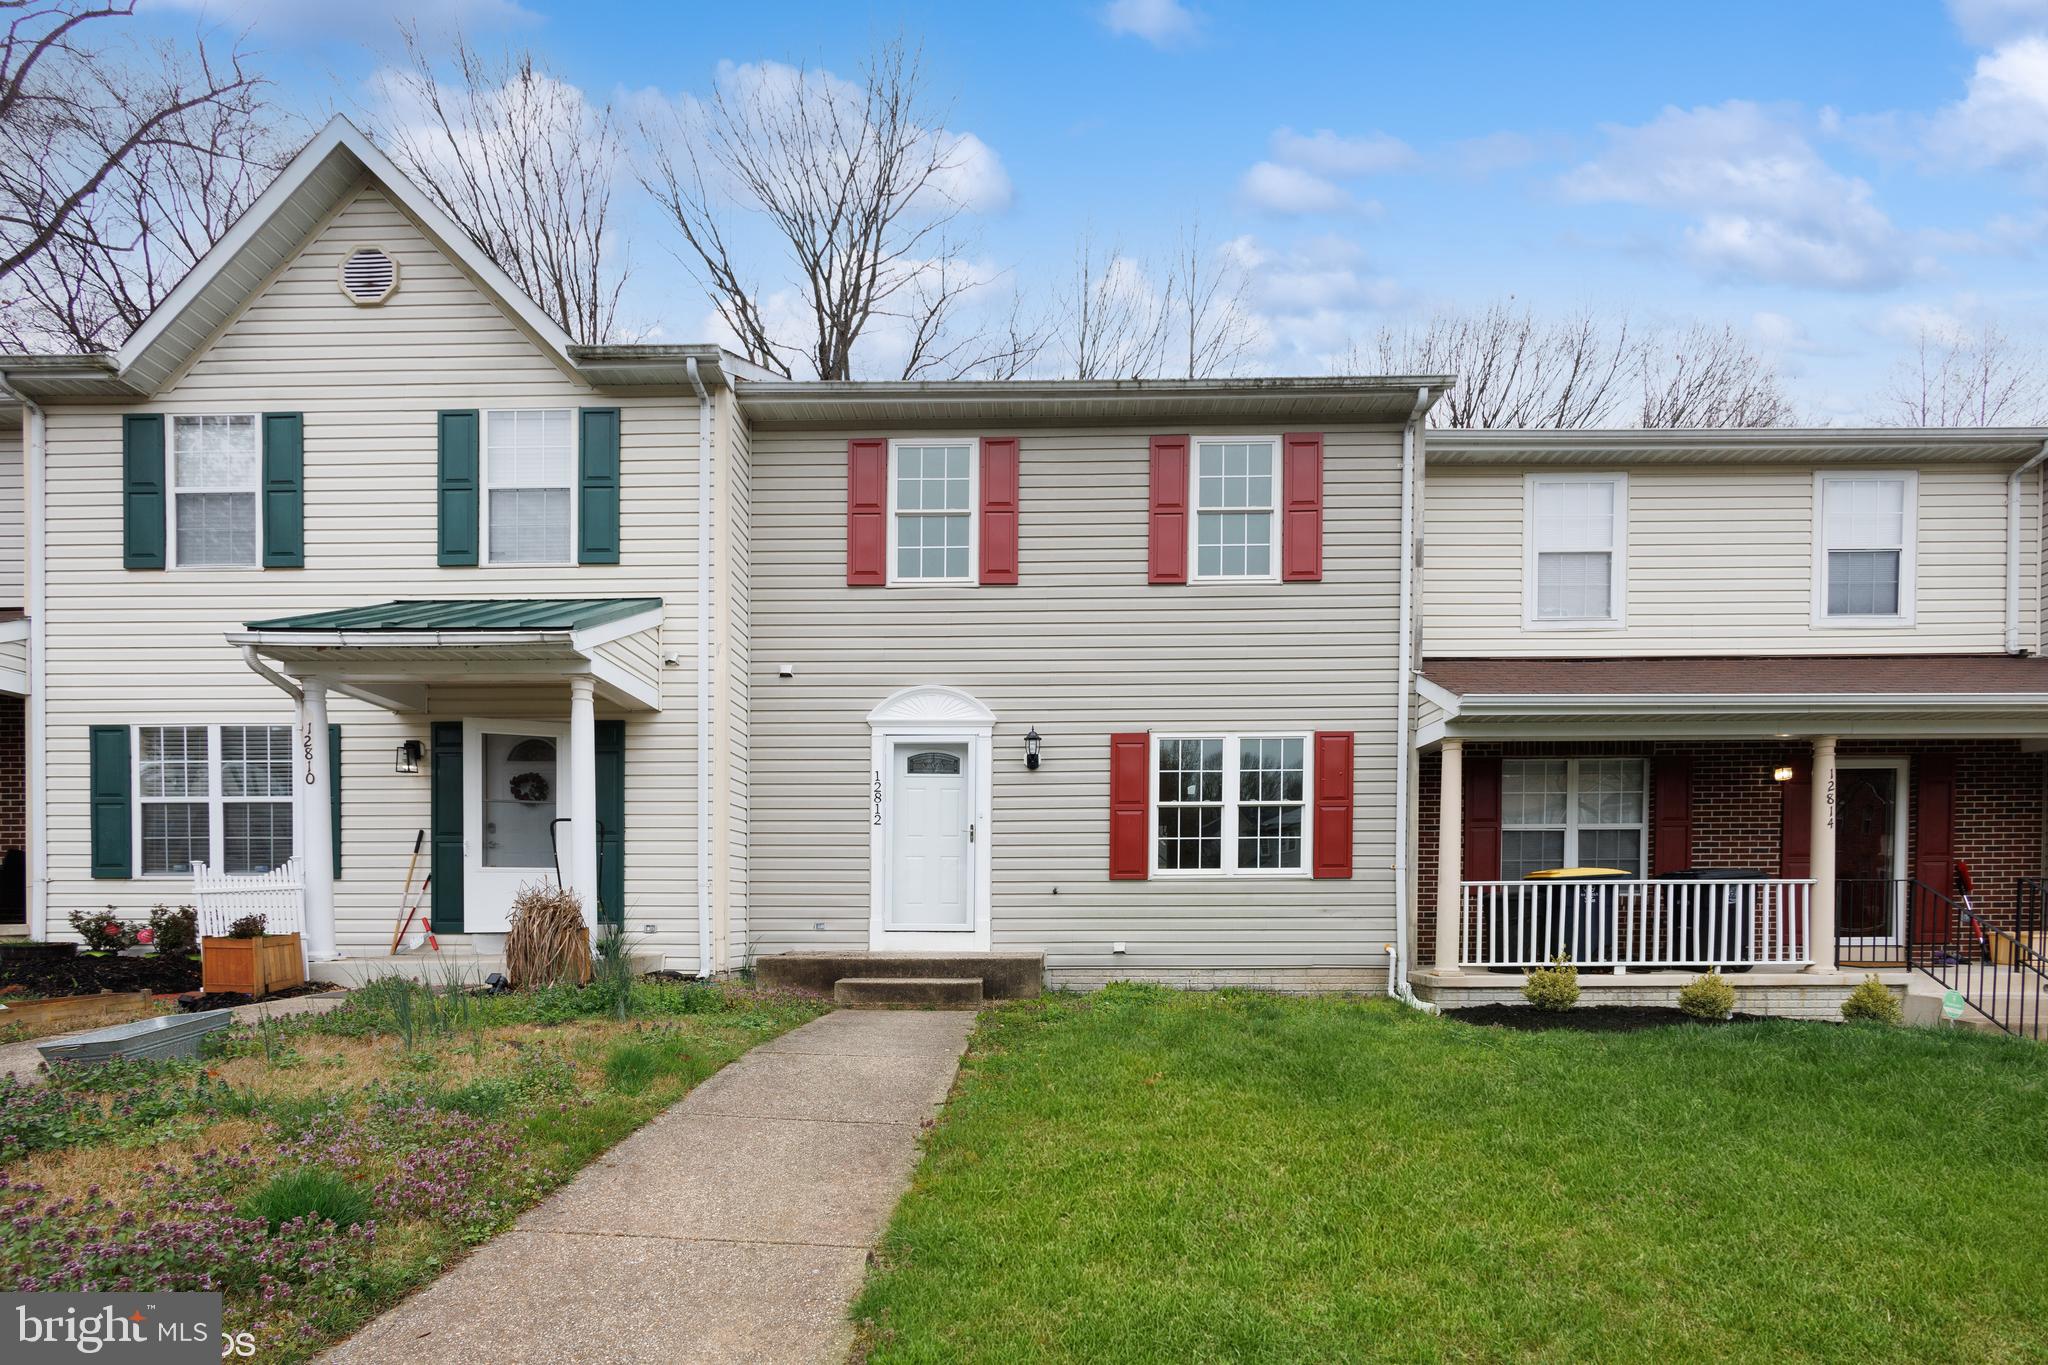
pixel 850 179
pixel 1219 331
pixel 526 166
pixel 1974 379
pixel 1705 377
pixel 1114 318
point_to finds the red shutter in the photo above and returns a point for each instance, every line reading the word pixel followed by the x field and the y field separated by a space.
pixel 1934 822
pixel 1482 819
pixel 1168 558
pixel 1795 822
pixel 1130 781
pixel 999 509
pixel 1333 803
pixel 867 512
pixel 1301 518
pixel 1671 844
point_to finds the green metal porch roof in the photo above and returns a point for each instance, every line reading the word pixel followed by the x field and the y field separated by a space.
pixel 523 613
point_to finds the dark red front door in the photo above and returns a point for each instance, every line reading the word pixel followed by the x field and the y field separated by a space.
pixel 1866 824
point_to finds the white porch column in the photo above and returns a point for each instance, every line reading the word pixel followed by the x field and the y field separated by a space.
pixel 316 833
pixel 583 796
pixel 1450 854
pixel 1822 853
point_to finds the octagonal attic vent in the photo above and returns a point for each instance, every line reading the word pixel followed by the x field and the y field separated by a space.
pixel 369 275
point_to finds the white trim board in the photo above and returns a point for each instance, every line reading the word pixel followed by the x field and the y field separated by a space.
pixel 922 715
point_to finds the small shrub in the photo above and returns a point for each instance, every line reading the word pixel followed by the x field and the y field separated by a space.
pixel 174 929
pixel 307 1192
pixel 1707 997
pixel 1555 987
pixel 612 970
pixel 248 926
pixel 1871 1000
pixel 102 930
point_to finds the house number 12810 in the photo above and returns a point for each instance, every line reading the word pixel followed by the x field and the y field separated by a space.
pixel 306 747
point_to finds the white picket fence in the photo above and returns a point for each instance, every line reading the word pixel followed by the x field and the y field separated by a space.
pixel 278 895
pixel 1637 924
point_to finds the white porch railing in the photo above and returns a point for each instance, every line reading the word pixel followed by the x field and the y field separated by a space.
pixel 278 895
pixel 1645 924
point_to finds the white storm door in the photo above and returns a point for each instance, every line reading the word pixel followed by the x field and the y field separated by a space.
pixel 515 783
pixel 931 848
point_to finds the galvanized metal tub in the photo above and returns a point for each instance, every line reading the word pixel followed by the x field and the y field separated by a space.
pixel 169 1035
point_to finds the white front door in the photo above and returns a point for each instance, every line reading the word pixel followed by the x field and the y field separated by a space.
pixel 931 844
pixel 515 783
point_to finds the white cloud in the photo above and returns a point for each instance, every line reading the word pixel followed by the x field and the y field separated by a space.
pixel 1310 301
pixel 1162 23
pixel 1326 153
pixel 973 177
pixel 359 19
pixel 1503 151
pixel 1292 190
pixel 1765 205
pixel 2002 119
pixel 1986 22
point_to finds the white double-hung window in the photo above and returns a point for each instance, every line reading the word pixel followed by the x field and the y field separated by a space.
pixel 530 486
pixel 1571 812
pixel 932 495
pixel 1236 484
pixel 1230 804
pixel 217 794
pixel 1864 548
pixel 216 470
pixel 1576 531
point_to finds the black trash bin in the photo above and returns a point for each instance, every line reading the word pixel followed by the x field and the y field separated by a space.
pixel 1585 926
pixel 1741 908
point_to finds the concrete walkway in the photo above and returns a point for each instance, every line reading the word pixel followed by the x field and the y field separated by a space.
pixel 734 1227
pixel 22 1061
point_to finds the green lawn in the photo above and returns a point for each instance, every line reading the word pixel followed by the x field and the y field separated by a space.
pixel 1148 1175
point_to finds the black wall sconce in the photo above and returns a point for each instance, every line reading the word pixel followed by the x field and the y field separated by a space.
pixel 409 755
pixel 1031 749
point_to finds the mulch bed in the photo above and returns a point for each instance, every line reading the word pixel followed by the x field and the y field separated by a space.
pixel 57 973
pixel 193 1001
pixel 1586 1019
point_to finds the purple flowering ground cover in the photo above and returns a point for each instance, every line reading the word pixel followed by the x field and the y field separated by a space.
pixel 316 1169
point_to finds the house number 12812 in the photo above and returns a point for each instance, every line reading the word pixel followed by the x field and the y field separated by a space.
pixel 878 796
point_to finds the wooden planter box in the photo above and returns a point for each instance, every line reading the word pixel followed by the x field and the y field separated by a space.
pixel 251 966
pixel 67 1012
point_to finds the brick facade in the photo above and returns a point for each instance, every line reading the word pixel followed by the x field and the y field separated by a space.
pixel 13 775
pixel 1737 808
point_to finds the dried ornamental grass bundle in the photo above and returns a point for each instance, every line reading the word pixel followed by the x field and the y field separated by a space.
pixel 547 943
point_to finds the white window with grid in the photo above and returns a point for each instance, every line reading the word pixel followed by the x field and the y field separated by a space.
pixel 1576 530
pixel 1864 542
pixel 1236 484
pixel 530 486
pixel 217 794
pixel 216 473
pixel 1572 812
pixel 933 486
pixel 1230 805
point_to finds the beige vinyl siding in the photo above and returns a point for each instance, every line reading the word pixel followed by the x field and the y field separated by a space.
pixel 735 577
pixel 638 654
pixel 140 647
pixel 1081 648
pixel 14 656
pixel 13 520
pixel 1720 561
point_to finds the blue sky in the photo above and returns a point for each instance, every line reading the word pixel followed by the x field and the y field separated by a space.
pixel 1827 177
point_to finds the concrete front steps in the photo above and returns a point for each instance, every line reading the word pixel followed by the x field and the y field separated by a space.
pixel 926 980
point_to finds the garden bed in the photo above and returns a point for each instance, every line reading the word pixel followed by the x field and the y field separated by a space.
pixel 51 973
pixel 315 1169
pixel 1588 1018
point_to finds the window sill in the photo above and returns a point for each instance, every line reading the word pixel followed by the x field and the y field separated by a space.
pixel 1290 874
pixel 1863 623
pixel 1608 625
pixel 934 583
pixel 1195 581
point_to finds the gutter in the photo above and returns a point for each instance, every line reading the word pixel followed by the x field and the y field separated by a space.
pixel 704 737
pixel 34 457
pixel 1404 903
pixel 2012 549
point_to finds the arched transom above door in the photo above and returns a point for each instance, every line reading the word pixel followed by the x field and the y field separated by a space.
pixel 930 705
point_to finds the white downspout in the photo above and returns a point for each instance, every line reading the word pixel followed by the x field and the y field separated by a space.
pixel 704 738
pixel 2012 548
pixel 34 455
pixel 1404 758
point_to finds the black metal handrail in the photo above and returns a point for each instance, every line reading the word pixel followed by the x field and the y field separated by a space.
pixel 1998 972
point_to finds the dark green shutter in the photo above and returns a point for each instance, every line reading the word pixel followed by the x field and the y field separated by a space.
pixel 112 806
pixel 460 487
pixel 142 491
pixel 597 516
pixel 611 821
pixel 334 792
pixel 445 826
pixel 284 491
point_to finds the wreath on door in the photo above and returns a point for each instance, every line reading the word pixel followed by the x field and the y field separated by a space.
pixel 531 788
